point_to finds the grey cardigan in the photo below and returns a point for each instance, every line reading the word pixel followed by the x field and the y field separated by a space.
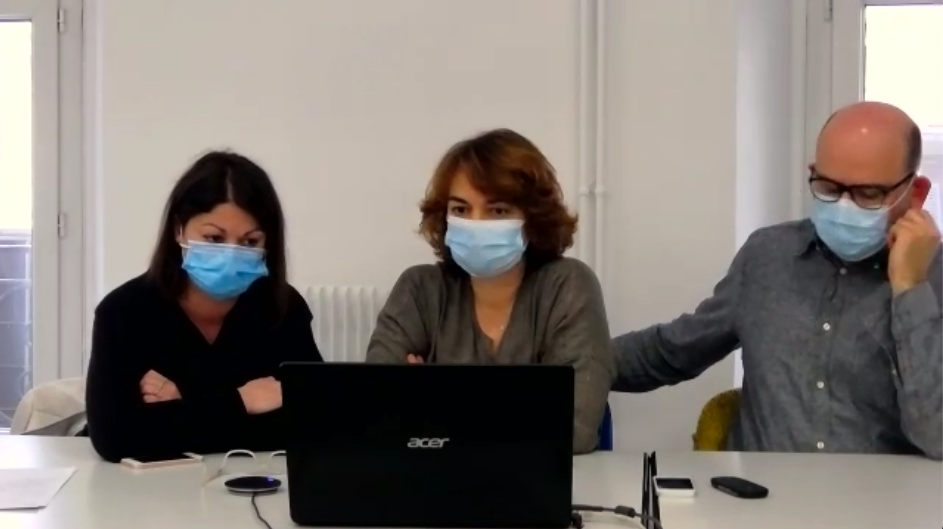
pixel 558 318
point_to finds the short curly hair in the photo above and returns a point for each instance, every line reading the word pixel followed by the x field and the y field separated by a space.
pixel 504 166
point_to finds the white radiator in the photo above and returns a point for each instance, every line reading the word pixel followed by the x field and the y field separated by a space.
pixel 344 318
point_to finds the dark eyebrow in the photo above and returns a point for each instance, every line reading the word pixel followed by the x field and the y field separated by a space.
pixel 246 234
pixel 490 202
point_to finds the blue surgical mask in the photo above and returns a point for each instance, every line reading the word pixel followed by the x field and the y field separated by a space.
pixel 850 231
pixel 485 248
pixel 223 271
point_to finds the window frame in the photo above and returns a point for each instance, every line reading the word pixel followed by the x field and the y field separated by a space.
pixel 818 81
pixel 72 256
pixel 56 242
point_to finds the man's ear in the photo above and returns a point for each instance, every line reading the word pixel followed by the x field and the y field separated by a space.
pixel 920 191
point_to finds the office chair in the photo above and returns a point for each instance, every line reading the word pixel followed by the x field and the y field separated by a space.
pixel 715 421
pixel 55 409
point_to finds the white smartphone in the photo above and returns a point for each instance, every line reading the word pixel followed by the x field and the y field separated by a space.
pixel 674 487
pixel 142 463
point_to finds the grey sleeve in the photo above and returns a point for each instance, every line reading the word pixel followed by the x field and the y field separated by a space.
pixel 917 325
pixel 578 335
pixel 401 329
pixel 669 353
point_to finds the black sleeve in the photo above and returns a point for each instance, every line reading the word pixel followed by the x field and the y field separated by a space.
pixel 121 425
pixel 296 338
pixel 294 342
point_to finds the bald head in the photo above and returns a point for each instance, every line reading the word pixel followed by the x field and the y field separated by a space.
pixel 877 146
pixel 869 143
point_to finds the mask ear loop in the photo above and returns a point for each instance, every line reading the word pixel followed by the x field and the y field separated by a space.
pixel 268 468
pixel 902 195
pixel 219 472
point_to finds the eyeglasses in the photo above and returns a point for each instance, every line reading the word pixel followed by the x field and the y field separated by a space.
pixel 865 196
pixel 271 465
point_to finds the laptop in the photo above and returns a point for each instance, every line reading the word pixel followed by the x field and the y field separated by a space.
pixel 445 446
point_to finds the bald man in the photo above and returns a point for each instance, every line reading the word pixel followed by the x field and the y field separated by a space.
pixel 838 316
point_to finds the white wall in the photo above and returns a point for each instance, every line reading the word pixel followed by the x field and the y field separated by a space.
pixel 771 160
pixel 349 104
pixel 767 163
pixel 701 105
pixel 672 176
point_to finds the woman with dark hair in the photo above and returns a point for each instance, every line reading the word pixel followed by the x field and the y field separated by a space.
pixel 184 357
pixel 503 293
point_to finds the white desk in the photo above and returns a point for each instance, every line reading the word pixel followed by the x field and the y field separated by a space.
pixel 818 491
pixel 855 492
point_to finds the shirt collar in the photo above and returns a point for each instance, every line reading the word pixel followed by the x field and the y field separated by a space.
pixel 807 240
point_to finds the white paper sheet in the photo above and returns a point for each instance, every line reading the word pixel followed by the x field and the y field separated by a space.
pixel 31 488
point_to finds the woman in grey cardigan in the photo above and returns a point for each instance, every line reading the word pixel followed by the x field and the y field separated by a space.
pixel 502 292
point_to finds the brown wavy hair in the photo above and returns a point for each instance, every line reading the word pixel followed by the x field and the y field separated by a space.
pixel 506 167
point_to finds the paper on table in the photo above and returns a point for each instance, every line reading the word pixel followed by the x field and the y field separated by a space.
pixel 31 488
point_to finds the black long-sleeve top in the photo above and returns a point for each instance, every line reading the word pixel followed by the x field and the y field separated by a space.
pixel 137 329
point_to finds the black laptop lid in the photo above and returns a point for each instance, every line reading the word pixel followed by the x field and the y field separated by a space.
pixel 429 445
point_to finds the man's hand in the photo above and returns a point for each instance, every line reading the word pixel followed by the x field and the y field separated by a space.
pixel 158 388
pixel 415 359
pixel 261 395
pixel 913 242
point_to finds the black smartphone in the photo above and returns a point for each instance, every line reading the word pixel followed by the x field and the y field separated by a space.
pixel 739 487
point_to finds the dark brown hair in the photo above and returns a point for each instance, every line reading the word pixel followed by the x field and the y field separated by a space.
pixel 217 178
pixel 504 166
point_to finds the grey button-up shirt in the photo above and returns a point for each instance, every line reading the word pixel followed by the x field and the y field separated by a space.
pixel 832 362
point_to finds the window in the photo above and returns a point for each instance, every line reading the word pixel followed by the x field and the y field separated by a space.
pixel 883 50
pixel 34 142
pixel 903 65
pixel 16 198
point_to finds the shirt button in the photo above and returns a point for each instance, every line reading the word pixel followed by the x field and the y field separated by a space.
pixel 827 326
pixel 820 445
pixel 820 384
pixel 843 271
pixel 894 372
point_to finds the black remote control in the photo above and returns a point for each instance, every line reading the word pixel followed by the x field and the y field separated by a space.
pixel 739 487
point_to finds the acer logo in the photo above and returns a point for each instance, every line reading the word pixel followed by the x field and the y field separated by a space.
pixel 427 442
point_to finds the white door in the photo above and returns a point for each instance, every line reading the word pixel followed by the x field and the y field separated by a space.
pixel 882 50
pixel 30 206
